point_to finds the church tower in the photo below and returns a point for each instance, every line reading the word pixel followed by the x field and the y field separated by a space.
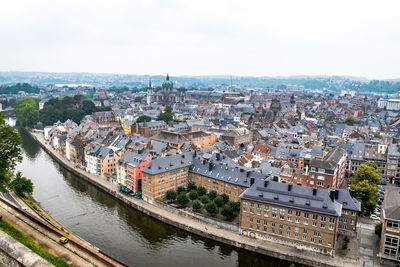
pixel 149 93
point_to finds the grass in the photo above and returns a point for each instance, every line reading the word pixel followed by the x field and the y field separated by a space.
pixel 28 242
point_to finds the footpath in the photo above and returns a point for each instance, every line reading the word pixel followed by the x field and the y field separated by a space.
pixel 207 230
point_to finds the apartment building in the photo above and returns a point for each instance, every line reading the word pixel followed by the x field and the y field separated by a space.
pixel 165 173
pixel 129 169
pixel 300 216
pixel 101 160
pixel 390 238
pixel 237 137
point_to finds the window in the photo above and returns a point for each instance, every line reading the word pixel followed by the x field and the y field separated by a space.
pixel 289 219
pixel 296 229
pixel 305 222
pixel 316 233
pixel 323 218
pixel 312 239
pixel 305 237
pixel 252 204
pixel 251 226
pixel 306 214
pixel 282 217
pixel 322 225
pixel 259 206
pixel 280 226
pixel 252 211
pixel 280 232
pixel 297 220
pixel 282 211
pixel 289 212
pixel 314 223
pixel 332 220
pixel 288 234
pixel 258 220
pixel 296 235
pixel 265 228
pixel 320 241
pixel 251 219
pixel 297 213
pixel 273 224
pixel 330 227
pixel 315 217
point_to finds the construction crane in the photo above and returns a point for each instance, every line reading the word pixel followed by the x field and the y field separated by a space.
pixel 358 85
pixel 230 87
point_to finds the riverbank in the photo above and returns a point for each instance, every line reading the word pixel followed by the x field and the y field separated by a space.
pixel 180 219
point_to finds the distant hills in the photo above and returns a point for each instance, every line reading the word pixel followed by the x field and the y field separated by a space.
pixel 336 83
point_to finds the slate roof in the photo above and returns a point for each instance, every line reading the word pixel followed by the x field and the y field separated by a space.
pixel 297 196
pixel 391 208
pixel 169 163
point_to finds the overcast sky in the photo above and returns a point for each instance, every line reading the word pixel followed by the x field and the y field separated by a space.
pixel 202 37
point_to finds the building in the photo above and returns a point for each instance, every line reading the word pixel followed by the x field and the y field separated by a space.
pixel 127 126
pixel 301 216
pixel 168 95
pixel 390 238
pixel 165 173
pixel 237 137
pixel 330 171
pixel 214 174
pixel 101 160
pixel 148 129
pixel 105 118
pixel 177 139
pixel 129 170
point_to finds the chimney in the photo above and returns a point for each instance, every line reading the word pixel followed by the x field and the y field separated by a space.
pixel 314 191
pixel 351 193
pixel 276 178
pixel 204 162
pixel 247 173
pixel 210 166
pixel 336 194
pixel 195 154
pixel 251 181
pixel 332 194
pixel 266 183
pixel 289 187
pixel 218 156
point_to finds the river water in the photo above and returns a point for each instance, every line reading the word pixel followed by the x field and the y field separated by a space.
pixel 117 229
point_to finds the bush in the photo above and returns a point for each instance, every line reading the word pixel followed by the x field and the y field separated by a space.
pixel 193 195
pixel 346 239
pixel 227 211
pixel 378 229
pixel 201 190
pixel 191 186
pixel 225 197
pixel 212 194
pixel 180 189
pixel 196 205
pixel 344 246
pixel 205 199
pixel 170 195
pixel 182 199
pixel 219 201
pixel 211 208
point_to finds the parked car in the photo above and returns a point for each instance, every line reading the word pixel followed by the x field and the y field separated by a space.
pixel 383 181
pixel 374 217
pixel 63 240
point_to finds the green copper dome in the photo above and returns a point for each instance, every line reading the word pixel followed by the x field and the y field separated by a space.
pixel 167 84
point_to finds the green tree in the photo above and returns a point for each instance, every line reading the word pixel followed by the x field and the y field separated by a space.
pixel 227 212
pixel 212 194
pixel 366 193
pixel 191 186
pixel 205 199
pixel 167 115
pixel 21 185
pixel 211 208
pixel 219 201
pixel 367 171
pixel 201 190
pixel 143 118
pixel 182 199
pixel 170 195
pixel 225 198
pixel 235 205
pixel 378 229
pixel 193 195
pixel 27 112
pixel 350 121
pixel 196 205
pixel 180 189
pixel 10 151
pixel 377 135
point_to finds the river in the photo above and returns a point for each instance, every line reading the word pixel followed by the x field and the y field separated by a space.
pixel 117 229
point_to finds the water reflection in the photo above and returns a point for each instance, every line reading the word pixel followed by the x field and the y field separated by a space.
pixel 117 228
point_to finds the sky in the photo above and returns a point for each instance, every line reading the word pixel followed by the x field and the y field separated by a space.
pixel 202 37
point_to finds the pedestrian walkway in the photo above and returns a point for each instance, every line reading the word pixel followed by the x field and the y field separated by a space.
pixel 368 243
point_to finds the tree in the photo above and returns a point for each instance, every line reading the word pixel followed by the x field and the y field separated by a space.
pixel 180 189
pixel 366 193
pixel 167 115
pixel 378 229
pixel 196 205
pixel 219 201
pixel 205 199
pixel 225 198
pixel 377 135
pixel 191 186
pixel 227 211
pixel 10 151
pixel 212 194
pixel 211 208
pixel 143 118
pixel 234 204
pixel 367 171
pixel 201 190
pixel 182 199
pixel 193 195
pixel 21 185
pixel 350 121
pixel 170 195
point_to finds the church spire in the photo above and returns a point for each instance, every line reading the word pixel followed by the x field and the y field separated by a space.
pixel 167 77
pixel 150 83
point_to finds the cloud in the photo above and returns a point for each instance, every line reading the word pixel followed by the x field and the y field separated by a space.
pixel 202 37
